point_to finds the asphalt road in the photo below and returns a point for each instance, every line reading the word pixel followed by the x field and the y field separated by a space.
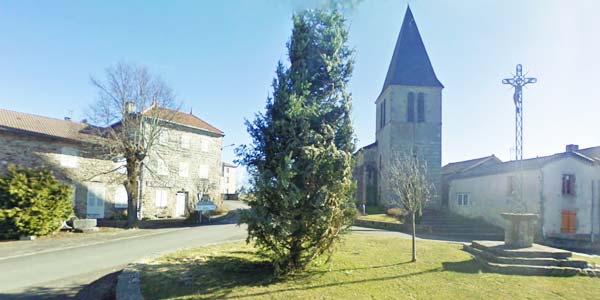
pixel 61 273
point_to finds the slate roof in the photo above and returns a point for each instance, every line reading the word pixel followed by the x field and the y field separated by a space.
pixel 20 122
pixel 183 118
pixel 588 155
pixel 367 147
pixel 410 64
pixel 466 165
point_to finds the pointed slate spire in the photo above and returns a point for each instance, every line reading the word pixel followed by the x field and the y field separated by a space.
pixel 410 63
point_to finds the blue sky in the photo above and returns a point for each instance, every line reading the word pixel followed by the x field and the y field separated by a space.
pixel 220 57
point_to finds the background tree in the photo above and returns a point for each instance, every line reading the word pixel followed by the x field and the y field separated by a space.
pixel 128 115
pixel 409 187
pixel 300 162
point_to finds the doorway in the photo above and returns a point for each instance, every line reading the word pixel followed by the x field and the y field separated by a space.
pixel 180 204
pixel 95 200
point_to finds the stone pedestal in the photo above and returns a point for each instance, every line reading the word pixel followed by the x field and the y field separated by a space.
pixel 85 225
pixel 520 229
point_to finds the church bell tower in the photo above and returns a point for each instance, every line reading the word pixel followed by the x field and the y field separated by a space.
pixel 409 109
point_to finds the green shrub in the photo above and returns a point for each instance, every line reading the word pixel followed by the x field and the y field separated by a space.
pixel 32 202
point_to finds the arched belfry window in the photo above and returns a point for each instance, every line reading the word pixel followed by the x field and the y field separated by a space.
pixel 410 107
pixel 421 108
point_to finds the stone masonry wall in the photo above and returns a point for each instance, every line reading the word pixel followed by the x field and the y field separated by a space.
pixel 398 135
pixel 176 157
pixel 33 151
pixel 85 172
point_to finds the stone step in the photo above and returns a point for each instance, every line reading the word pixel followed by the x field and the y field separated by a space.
pixel 531 270
pixel 490 257
pixel 472 236
pixel 535 252
pixel 464 228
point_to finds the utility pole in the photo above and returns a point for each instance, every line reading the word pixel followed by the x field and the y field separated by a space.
pixel 518 82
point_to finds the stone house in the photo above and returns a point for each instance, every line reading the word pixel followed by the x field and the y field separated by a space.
pixel 408 119
pixel 561 188
pixel 186 162
pixel 229 181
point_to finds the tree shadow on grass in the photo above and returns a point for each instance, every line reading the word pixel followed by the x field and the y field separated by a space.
pixel 216 277
pixel 42 292
pixel 467 266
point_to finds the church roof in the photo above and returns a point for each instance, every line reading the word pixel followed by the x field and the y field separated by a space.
pixel 410 63
pixel 462 166
pixel 588 155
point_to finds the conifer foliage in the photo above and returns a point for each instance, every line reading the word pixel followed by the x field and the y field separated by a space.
pixel 32 202
pixel 300 161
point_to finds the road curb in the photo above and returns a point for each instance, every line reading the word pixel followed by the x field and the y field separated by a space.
pixel 128 282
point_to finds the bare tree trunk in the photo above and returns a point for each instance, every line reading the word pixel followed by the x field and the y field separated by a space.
pixel 414 233
pixel 132 188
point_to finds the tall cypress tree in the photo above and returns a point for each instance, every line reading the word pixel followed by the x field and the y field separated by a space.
pixel 300 161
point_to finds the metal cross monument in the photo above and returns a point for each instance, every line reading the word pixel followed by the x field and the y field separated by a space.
pixel 518 82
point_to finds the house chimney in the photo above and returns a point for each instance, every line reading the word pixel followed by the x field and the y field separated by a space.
pixel 572 147
pixel 129 107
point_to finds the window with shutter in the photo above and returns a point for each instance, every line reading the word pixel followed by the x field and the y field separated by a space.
pixel 120 197
pixel 121 165
pixel 568 184
pixel 203 171
pixel 163 137
pixel 183 169
pixel 462 199
pixel 410 107
pixel 161 167
pixel 568 221
pixel 204 145
pixel 421 107
pixel 384 115
pixel 161 198
pixel 185 141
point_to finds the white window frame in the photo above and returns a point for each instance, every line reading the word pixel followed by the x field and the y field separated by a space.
pixel 463 199
pixel 163 137
pixel 184 169
pixel 205 145
pixel 203 171
pixel 161 198
pixel 120 192
pixel 69 157
pixel 185 141
pixel 161 167
pixel 121 164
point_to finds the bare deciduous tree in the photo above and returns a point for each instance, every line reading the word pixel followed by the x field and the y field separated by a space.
pixel 409 187
pixel 129 114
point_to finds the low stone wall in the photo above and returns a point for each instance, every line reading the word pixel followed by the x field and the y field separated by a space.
pixel 379 225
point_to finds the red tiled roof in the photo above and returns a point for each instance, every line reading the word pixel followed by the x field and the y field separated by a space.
pixel 188 119
pixel 460 166
pixel 45 126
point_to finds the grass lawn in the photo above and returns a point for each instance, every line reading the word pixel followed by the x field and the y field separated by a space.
pixel 365 267
pixel 595 259
pixel 380 217
pixel 376 213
